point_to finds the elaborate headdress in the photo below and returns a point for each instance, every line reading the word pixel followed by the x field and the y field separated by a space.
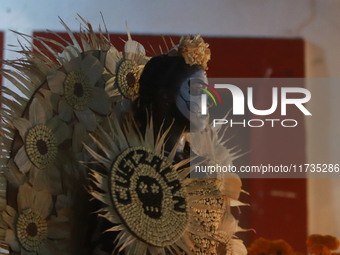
pixel 62 141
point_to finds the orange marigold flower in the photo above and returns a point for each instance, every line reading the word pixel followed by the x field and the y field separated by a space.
pixel 260 245
pixel 314 239
pixel 330 242
pixel 319 249
pixel 251 251
pixel 280 247
pixel 296 253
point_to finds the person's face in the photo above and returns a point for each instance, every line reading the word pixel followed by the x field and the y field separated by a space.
pixel 189 100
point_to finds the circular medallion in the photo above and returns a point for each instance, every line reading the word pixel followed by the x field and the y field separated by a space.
pixel 148 196
pixel 128 79
pixel 31 230
pixel 78 90
pixel 41 146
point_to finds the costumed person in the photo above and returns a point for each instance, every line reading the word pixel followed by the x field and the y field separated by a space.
pixel 96 154
pixel 170 89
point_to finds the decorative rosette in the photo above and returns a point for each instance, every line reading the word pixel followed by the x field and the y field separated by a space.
pixel 194 50
pixel 127 67
pixel 146 195
pixel 40 154
pixel 79 95
pixel 32 228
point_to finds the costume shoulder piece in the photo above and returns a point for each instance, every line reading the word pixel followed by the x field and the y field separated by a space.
pixel 74 169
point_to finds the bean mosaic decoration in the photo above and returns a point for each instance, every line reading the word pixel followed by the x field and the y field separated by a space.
pixel 148 196
pixel 128 76
pixel 41 146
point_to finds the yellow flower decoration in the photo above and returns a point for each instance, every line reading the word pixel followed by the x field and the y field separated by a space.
pixel 126 67
pixel 195 51
pixel 32 229
pixel 79 94
pixel 40 154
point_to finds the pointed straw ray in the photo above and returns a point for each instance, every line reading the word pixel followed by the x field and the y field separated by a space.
pixel 165 43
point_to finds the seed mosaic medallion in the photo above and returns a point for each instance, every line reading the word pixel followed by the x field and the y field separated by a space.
pixel 148 196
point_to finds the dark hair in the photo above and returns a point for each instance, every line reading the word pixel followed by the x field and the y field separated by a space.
pixel 162 76
pixel 159 85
